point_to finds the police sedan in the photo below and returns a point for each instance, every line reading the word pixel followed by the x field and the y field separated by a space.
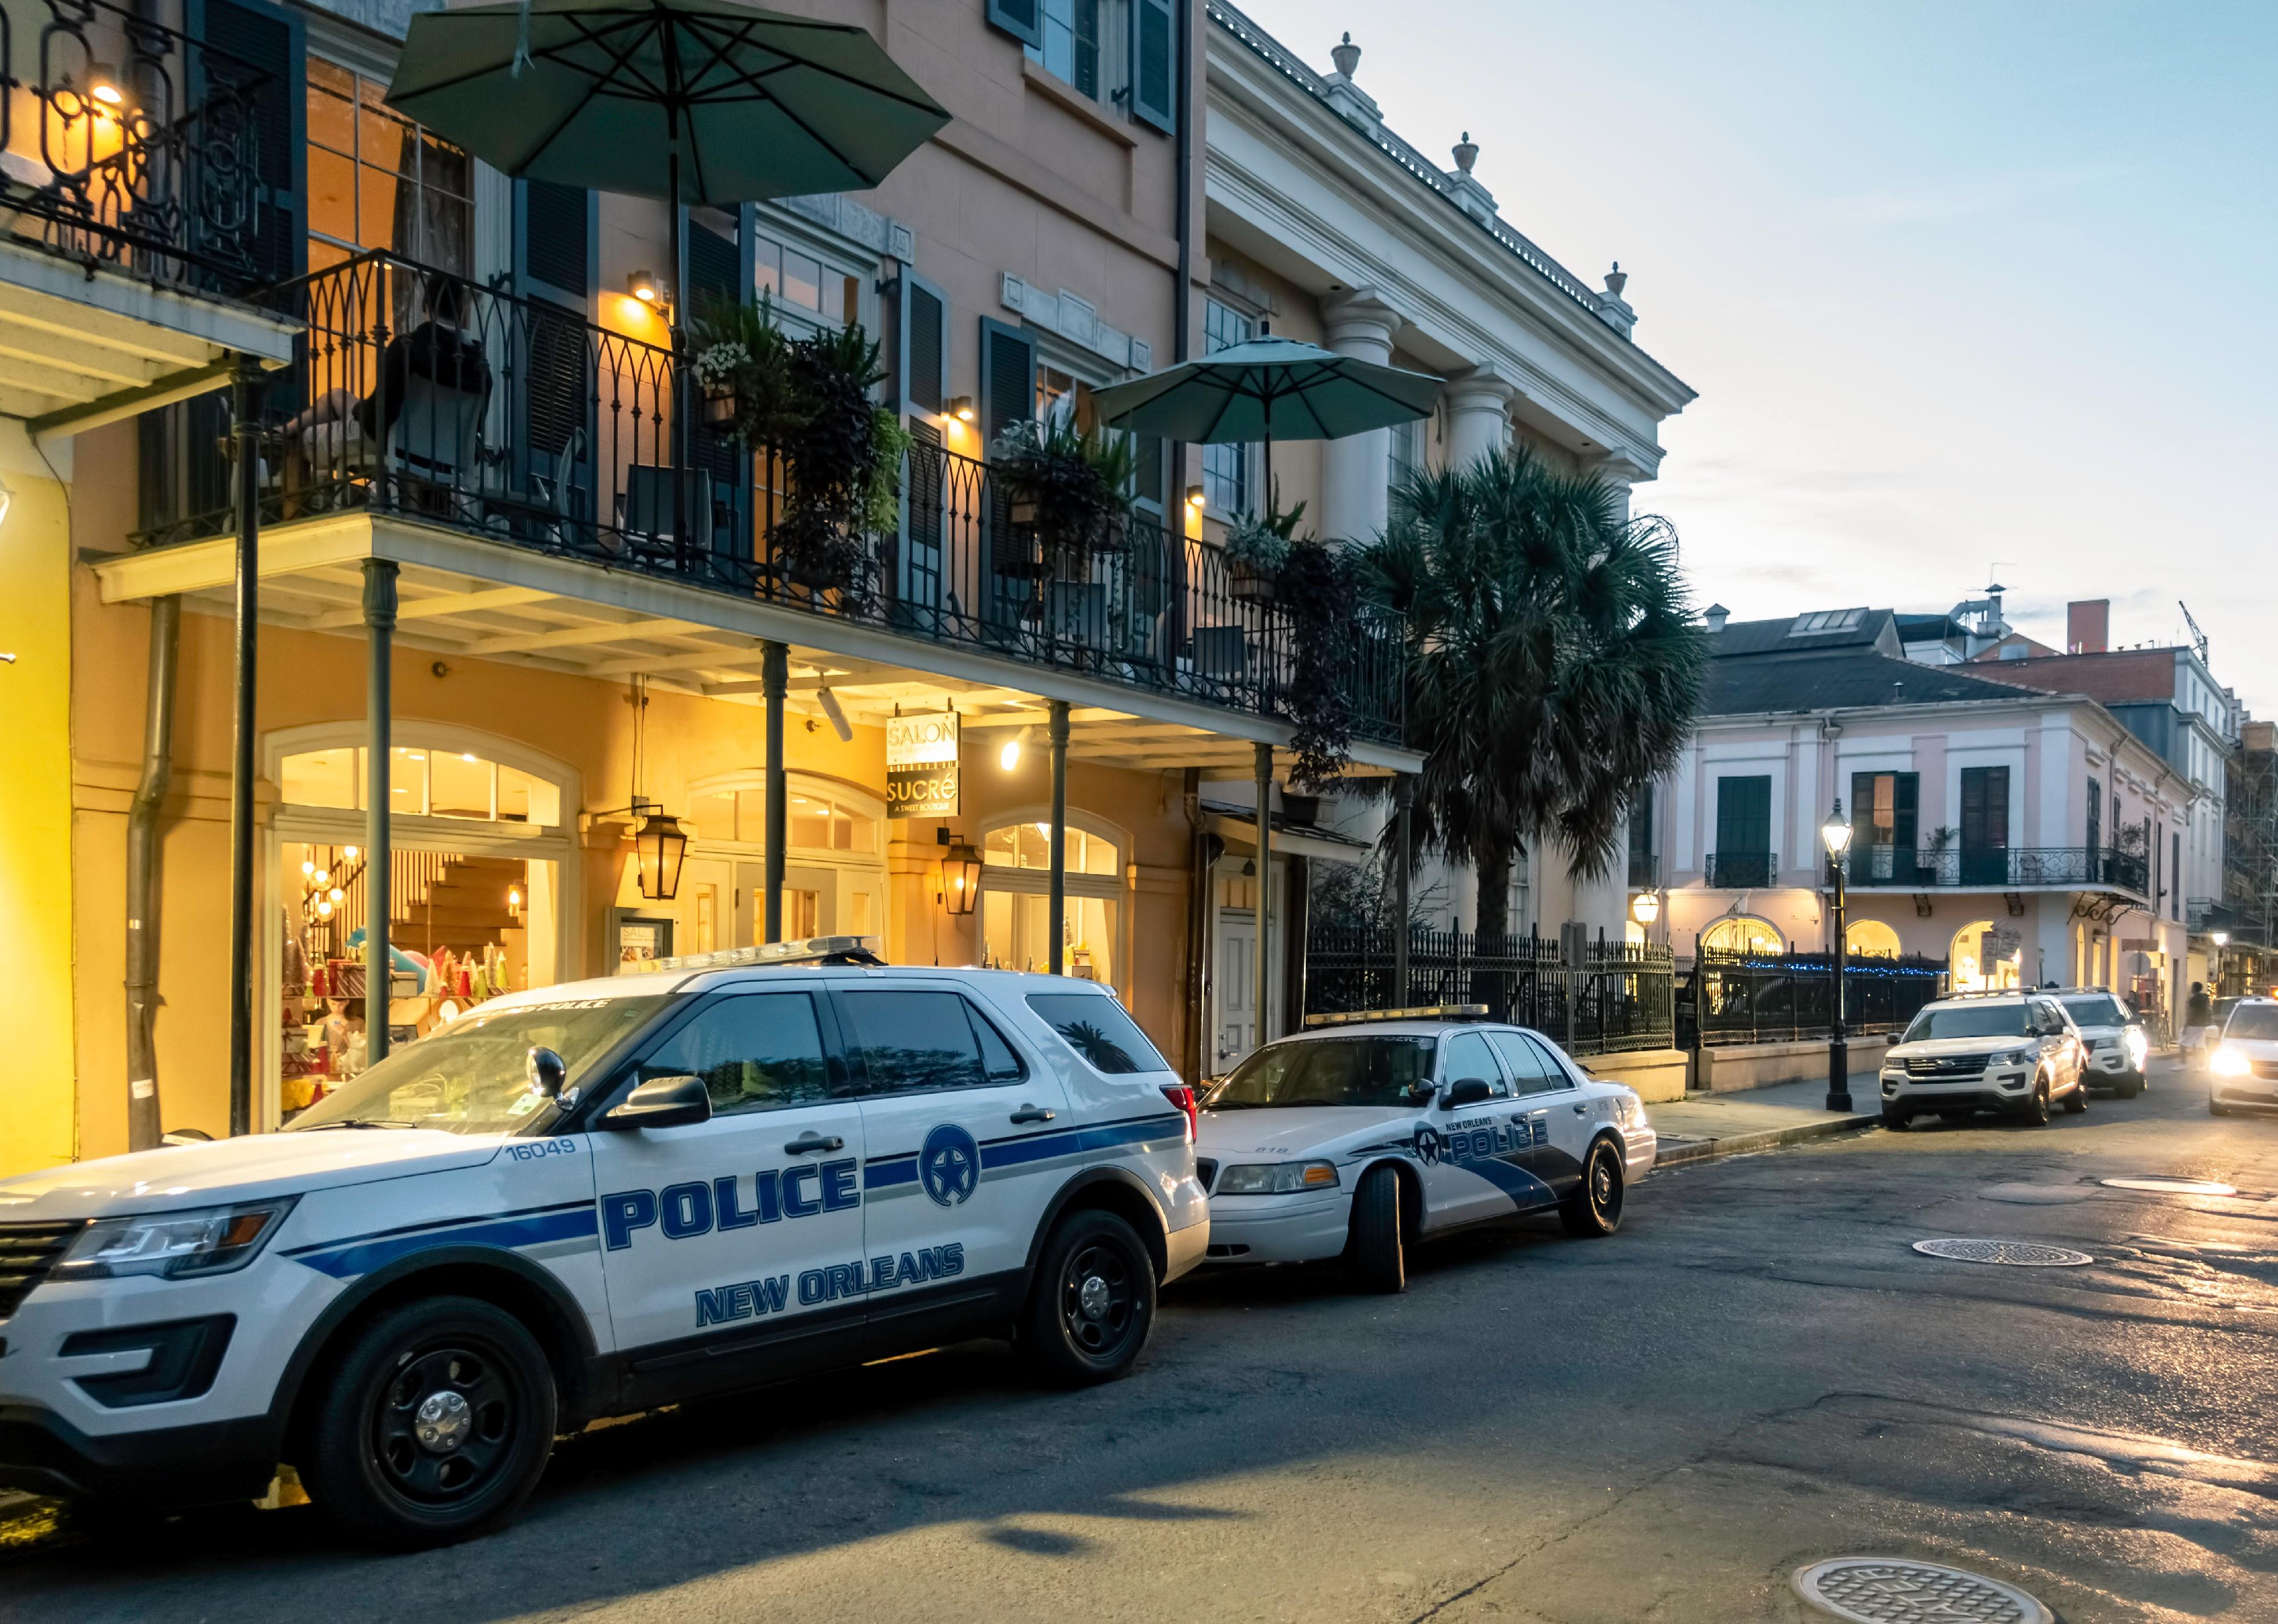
pixel 1367 1133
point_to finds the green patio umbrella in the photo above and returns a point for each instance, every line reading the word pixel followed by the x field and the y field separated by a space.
pixel 1267 387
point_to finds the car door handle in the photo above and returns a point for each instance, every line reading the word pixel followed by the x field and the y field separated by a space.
pixel 1581 1111
pixel 808 1142
pixel 1032 1113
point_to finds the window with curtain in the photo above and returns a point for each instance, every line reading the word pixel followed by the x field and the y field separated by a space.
pixel 1883 815
pixel 377 180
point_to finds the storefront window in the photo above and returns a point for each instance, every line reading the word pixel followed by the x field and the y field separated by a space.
pixel 424 781
pixel 811 822
pixel 1029 845
pixel 1016 913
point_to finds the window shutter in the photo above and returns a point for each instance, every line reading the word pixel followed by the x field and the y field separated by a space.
pixel 1008 378
pixel 713 268
pixel 925 352
pixel 261 48
pixel 554 233
pixel 1154 62
pixel 1905 802
pixel 1023 20
pixel 554 246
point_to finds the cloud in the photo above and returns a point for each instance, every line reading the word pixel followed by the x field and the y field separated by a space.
pixel 1955 200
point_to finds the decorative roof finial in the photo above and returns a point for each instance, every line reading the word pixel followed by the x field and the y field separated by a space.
pixel 1616 280
pixel 1467 153
pixel 1346 56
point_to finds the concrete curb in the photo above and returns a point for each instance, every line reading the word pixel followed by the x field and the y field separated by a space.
pixel 1678 1152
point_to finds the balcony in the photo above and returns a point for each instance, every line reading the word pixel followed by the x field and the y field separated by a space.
pixel 532 429
pixel 1742 871
pixel 135 208
pixel 1999 868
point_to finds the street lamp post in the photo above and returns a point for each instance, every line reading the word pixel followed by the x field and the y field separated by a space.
pixel 1836 832
pixel 2222 940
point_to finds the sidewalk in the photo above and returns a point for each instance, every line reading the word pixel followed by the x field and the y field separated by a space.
pixel 1726 1125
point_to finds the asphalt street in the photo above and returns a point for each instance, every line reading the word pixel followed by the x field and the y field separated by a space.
pixel 1758 1372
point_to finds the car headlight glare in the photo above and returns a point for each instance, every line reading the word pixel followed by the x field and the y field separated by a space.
pixel 207 1240
pixel 1275 1178
pixel 2229 1062
pixel 2138 1046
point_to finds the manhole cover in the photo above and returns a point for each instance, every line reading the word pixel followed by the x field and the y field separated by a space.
pixel 1894 1590
pixel 2023 1253
pixel 2172 1187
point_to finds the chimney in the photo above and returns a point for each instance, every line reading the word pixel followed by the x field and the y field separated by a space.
pixel 1714 616
pixel 2088 627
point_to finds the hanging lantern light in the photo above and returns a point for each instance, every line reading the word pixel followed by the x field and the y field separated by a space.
pixel 960 877
pixel 659 843
pixel 1645 907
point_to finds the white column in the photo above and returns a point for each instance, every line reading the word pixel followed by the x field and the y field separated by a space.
pixel 1478 415
pixel 1356 471
pixel 1621 470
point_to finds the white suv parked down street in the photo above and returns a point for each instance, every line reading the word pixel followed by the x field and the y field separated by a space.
pixel 2119 1050
pixel 587 1201
pixel 2242 1062
pixel 2012 1052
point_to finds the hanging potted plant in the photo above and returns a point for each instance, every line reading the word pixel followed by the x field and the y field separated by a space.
pixel 1322 600
pixel 1257 551
pixel 1070 490
pixel 830 442
pixel 740 362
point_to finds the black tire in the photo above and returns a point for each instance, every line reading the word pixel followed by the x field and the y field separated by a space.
pixel 1594 1209
pixel 2129 1088
pixel 2076 1102
pixel 1377 1252
pixel 1894 1120
pixel 1091 1306
pixel 2034 1110
pixel 473 1378
pixel 2218 1110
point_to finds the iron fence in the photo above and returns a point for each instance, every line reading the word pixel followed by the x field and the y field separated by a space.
pixel 430 397
pixel 1619 998
pixel 1772 998
pixel 136 144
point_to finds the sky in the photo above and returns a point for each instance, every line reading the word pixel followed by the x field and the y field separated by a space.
pixel 1970 292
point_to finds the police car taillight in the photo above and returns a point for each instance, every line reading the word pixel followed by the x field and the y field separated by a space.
pixel 1183 1097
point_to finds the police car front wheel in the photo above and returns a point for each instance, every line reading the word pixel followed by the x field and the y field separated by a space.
pixel 435 1427
pixel 1093 1302
pixel 1595 1205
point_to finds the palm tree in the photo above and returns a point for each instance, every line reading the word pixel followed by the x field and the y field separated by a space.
pixel 1554 665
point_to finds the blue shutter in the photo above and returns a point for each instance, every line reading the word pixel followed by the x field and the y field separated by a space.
pixel 1008 378
pixel 258 49
pixel 1023 20
pixel 923 358
pixel 1154 62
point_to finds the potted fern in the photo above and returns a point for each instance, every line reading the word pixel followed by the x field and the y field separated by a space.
pixel 1257 551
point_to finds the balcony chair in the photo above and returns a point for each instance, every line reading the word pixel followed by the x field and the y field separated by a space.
pixel 646 515
pixel 432 457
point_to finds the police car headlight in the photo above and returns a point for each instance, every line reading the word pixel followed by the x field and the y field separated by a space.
pixel 1275 1178
pixel 2137 1045
pixel 210 1241
pixel 2229 1062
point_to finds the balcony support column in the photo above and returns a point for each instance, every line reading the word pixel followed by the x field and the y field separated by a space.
pixel 1264 767
pixel 243 395
pixel 774 679
pixel 1356 470
pixel 1056 892
pixel 1403 797
pixel 379 837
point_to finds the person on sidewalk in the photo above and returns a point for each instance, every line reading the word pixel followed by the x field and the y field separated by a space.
pixel 2198 1022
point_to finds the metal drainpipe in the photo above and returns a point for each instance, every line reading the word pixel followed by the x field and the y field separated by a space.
pixel 1198 909
pixel 143 1132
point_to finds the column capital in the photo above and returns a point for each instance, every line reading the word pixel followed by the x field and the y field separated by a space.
pixel 1625 466
pixel 1360 322
pixel 1482 388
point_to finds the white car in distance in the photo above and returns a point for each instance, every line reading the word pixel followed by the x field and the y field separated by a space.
pixel 2243 1064
pixel 1364 1133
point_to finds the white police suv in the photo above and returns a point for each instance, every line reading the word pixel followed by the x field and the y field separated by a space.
pixel 1364 1132
pixel 2242 1062
pixel 2118 1048
pixel 591 1201
pixel 2011 1052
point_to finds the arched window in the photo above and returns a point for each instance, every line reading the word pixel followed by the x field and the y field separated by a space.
pixel 1743 935
pixel 1015 909
pixel 1870 939
pixel 820 817
pixel 1984 958
pixel 427 778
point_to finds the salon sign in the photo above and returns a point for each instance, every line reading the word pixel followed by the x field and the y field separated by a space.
pixel 921 766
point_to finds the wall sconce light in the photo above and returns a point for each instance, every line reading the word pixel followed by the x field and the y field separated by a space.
pixel 643 286
pixel 1009 756
pixel 102 85
pixel 659 845
pixel 513 902
pixel 960 877
pixel 960 406
pixel 1195 498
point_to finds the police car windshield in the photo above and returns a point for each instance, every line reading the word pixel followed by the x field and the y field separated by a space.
pixel 2256 1022
pixel 2095 1009
pixel 1373 1070
pixel 472 1076
pixel 1969 1020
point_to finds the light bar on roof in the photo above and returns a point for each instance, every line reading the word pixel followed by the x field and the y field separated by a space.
pixel 810 950
pixel 1420 1013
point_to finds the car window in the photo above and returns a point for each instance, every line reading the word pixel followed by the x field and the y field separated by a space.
pixel 1969 1020
pixel 1532 1072
pixel 1468 1056
pixel 755 1052
pixel 2095 1009
pixel 1096 1026
pixel 1371 1071
pixel 2256 1022
pixel 912 1038
pixel 1560 1077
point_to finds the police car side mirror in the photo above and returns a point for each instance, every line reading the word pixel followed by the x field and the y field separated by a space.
pixel 1467 1091
pixel 661 1102
pixel 546 1071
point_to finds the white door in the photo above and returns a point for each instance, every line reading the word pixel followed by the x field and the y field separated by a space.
pixel 746 1230
pixel 1480 1169
pixel 1237 986
pixel 707 906
pixel 965 1142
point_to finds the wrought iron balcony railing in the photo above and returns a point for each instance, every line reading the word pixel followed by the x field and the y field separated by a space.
pixel 430 398
pixel 1735 871
pixel 132 143
pixel 1999 867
